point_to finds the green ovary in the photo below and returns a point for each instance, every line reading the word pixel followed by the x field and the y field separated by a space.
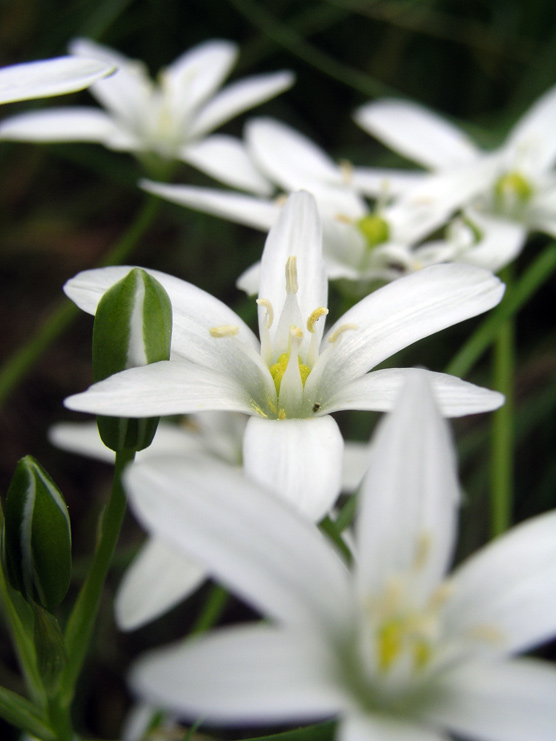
pixel 397 635
pixel 375 230
pixel 513 186
pixel 278 369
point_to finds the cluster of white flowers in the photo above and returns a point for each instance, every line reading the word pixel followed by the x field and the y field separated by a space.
pixel 384 641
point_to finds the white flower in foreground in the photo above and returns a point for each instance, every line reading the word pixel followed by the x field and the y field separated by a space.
pixel 50 77
pixel 516 181
pixel 161 576
pixel 171 117
pixel 293 379
pixel 393 647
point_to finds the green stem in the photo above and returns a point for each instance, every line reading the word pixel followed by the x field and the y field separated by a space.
pixel 516 296
pixel 501 483
pixel 22 714
pixel 212 609
pixel 331 529
pixel 81 623
pixel 14 370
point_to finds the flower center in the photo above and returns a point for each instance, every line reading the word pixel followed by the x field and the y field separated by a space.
pixel 375 229
pixel 512 189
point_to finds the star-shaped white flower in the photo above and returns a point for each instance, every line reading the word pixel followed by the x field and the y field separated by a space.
pixel 393 648
pixel 360 242
pixel 291 380
pixel 50 77
pixel 516 182
pixel 172 117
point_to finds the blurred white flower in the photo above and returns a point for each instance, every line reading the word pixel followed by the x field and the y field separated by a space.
pixel 359 242
pixel 171 117
pixel 51 77
pixel 516 182
pixel 393 647
pixel 293 379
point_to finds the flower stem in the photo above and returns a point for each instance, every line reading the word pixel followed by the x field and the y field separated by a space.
pixel 14 370
pixel 83 617
pixel 501 472
pixel 212 609
pixel 516 296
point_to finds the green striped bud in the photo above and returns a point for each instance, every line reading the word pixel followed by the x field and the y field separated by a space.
pixel 37 536
pixel 133 327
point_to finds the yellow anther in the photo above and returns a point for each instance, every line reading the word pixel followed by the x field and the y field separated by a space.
pixel 487 634
pixel 344 218
pixel 264 302
pixel 390 643
pixel 422 551
pixel 282 414
pixel 291 275
pixel 296 332
pixel 224 330
pixel 344 328
pixel 281 199
pixel 346 168
pixel 314 317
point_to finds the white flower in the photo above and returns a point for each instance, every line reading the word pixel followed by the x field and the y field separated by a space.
pixel 359 242
pixel 516 182
pixel 393 648
pixel 293 379
pixel 50 77
pixel 171 117
pixel 160 576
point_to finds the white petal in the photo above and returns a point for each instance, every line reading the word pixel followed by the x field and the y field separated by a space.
pixel 378 182
pixel 297 232
pixel 60 125
pixel 405 311
pixel 509 587
pixel 194 312
pixel 245 675
pixel 299 459
pixel 380 727
pixel 127 93
pixel 356 463
pixel 81 438
pixel 409 498
pixel 287 157
pixel 416 133
pixel 256 212
pixel 226 159
pixel 497 701
pixel 162 389
pixel 239 97
pixel 248 281
pixel 249 539
pixel 533 135
pixel 198 73
pixel 502 242
pixel 50 77
pixel 377 391
pixel 158 579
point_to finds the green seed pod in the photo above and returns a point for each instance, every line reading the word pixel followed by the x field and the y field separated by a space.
pixel 37 536
pixel 133 326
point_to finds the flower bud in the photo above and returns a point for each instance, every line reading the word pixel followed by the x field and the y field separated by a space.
pixel 37 536
pixel 133 326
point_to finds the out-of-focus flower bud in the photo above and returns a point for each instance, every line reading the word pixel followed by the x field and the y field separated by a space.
pixel 133 326
pixel 37 536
